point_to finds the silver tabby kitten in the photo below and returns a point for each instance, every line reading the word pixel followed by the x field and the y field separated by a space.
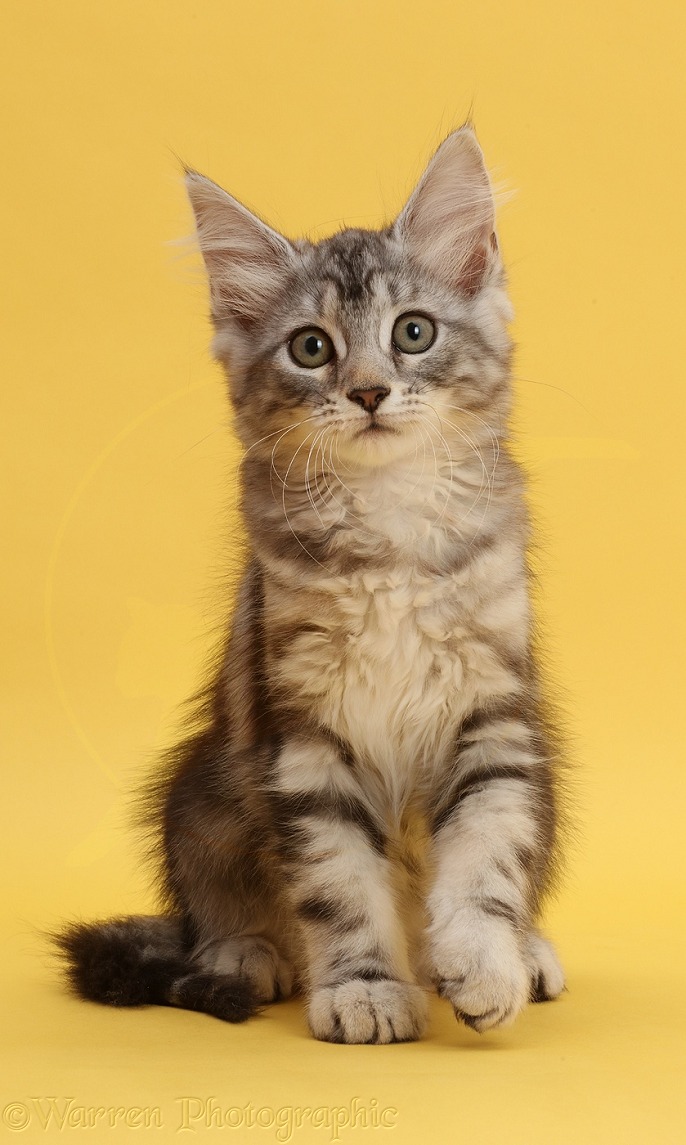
pixel 368 808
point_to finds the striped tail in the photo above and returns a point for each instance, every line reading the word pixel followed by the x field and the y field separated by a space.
pixel 142 961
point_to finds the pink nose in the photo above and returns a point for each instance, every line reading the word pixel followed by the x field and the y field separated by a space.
pixel 370 400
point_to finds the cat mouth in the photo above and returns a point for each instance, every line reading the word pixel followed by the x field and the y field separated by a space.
pixel 373 428
pixel 375 442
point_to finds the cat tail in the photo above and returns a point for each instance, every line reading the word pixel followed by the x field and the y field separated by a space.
pixel 143 960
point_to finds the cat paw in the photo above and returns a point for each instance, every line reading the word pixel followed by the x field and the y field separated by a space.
pixel 370 1012
pixel 486 1001
pixel 546 976
pixel 486 980
pixel 253 960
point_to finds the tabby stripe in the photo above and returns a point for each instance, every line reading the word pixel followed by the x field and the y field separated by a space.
pixel 339 806
pixel 333 914
pixel 371 966
pixel 498 909
pixel 471 784
pixel 365 973
pixel 341 745
pixel 283 638
pixel 526 858
pixel 514 708
pixel 469 552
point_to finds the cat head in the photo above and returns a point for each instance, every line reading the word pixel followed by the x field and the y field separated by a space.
pixel 368 340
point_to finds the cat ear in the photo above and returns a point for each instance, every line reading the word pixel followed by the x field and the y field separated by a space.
pixel 248 263
pixel 448 223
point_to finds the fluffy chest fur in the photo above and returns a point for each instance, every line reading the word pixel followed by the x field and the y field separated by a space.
pixel 392 656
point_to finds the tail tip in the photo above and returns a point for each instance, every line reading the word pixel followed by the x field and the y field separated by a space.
pixel 107 962
pixel 226 997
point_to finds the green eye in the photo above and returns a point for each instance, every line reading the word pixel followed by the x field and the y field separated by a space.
pixel 311 347
pixel 413 333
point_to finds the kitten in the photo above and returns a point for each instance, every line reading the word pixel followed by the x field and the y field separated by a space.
pixel 369 805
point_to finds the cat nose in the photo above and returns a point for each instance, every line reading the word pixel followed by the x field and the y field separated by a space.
pixel 370 400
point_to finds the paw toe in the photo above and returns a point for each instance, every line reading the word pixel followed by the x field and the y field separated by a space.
pixel 547 978
pixel 373 1013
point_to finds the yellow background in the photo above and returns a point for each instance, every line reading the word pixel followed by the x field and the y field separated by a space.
pixel 119 494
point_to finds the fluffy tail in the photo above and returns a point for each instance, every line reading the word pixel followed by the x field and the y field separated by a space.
pixel 142 961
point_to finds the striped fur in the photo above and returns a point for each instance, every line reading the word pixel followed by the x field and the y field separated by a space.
pixel 369 805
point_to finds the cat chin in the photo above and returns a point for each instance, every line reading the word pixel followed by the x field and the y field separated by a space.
pixel 374 450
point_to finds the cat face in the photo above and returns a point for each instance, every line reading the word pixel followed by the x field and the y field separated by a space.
pixel 367 344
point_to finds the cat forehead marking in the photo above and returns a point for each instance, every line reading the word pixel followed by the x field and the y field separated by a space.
pixel 353 261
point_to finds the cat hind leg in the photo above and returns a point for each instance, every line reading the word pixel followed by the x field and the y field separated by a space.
pixel 251 959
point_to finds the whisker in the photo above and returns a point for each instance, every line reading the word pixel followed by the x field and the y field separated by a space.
pixel 421 475
pixel 550 386
pixel 324 497
pixel 346 510
pixel 308 486
pixel 293 425
pixel 485 479
pixel 495 438
pixel 346 468
pixel 426 437
pixel 195 444
pixel 489 486
pixel 272 466
pixel 451 463
pixel 328 470
pixel 278 442
pixel 495 443
pixel 341 482
pixel 292 461
pixel 285 510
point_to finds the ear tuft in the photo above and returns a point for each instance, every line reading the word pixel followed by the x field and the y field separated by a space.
pixel 448 223
pixel 248 263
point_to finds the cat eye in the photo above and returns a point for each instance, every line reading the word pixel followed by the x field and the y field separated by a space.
pixel 311 347
pixel 413 333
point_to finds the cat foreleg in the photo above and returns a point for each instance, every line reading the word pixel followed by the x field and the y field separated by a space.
pixel 360 984
pixel 493 836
